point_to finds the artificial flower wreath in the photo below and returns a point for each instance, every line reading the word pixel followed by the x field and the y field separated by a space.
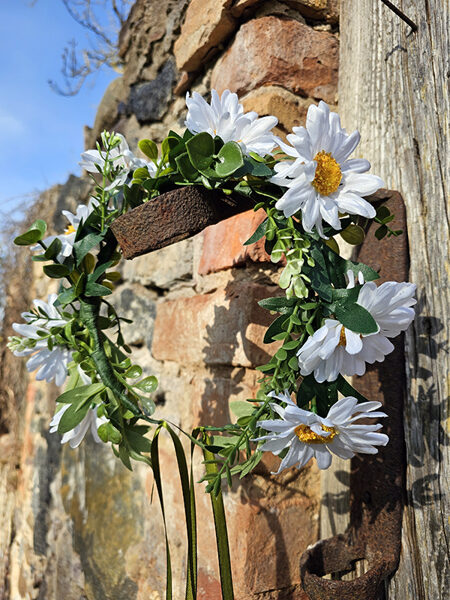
pixel 333 318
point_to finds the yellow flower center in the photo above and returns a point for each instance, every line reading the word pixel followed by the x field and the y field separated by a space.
pixel 69 229
pixel 342 338
pixel 328 174
pixel 307 436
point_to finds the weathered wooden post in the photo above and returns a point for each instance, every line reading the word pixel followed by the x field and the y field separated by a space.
pixel 394 88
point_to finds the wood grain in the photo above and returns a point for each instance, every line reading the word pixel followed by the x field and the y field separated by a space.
pixel 393 87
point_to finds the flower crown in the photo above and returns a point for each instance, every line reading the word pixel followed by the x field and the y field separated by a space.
pixel 332 319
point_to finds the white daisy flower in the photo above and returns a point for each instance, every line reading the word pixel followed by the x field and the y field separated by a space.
pixel 307 435
pixel 68 237
pixel 51 364
pixel 321 180
pixel 225 118
pixel 91 421
pixel 121 157
pixel 335 349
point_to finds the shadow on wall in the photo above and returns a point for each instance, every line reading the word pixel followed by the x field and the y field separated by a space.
pixel 271 520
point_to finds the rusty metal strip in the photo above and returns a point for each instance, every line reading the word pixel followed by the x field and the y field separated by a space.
pixel 377 482
pixel 172 217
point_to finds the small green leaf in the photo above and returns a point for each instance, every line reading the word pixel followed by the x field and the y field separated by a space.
pixel 56 271
pixel 147 385
pixel 108 433
pixel 53 250
pixel 381 232
pixel 200 149
pixel 34 234
pixel 141 173
pixel 67 296
pixel 72 417
pixel 356 318
pixel 186 168
pixel 80 393
pixel 230 159
pixel 353 234
pixel 133 372
pixel 259 233
pixel 85 245
pixel 95 289
pixel 149 148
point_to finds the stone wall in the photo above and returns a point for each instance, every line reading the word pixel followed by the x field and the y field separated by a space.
pixel 77 524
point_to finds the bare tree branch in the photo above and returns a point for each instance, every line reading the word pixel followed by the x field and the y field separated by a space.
pixel 103 19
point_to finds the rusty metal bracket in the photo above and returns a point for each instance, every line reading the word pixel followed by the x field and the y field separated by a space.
pixel 376 482
pixel 173 216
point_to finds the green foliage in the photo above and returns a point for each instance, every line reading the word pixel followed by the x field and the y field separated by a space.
pixel 34 234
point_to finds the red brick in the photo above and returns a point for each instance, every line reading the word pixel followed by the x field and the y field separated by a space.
pixel 223 328
pixel 223 243
pixel 285 52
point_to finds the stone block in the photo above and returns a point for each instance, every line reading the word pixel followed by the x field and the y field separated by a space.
pixel 107 111
pixel 289 109
pixel 163 268
pixel 223 243
pixel 207 24
pixel 280 52
pixel 241 6
pixel 149 100
pixel 222 328
pixel 134 302
pixel 327 10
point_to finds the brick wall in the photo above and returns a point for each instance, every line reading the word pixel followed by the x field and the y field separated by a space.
pixel 83 523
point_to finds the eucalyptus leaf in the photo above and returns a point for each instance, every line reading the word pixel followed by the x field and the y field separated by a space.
pixel 230 159
pixel 34 234
pixel 200 149
pixel 149 148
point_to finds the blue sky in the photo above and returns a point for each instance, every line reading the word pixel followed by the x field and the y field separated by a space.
pixel 41 133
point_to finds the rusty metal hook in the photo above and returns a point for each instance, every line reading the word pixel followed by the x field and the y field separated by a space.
pixel 377 482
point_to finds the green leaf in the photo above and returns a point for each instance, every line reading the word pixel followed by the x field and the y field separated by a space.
pixel 274 328
pixel 108 433
pixel 258 234
pixel 347 389
pixel 67 296
pixel 381 232
pixel 383 212
pixel 72 417
pixel 141 173
pixel 80 393
pixel 85 245
pixel 34 234
pixel 133 372
pixel 356 318
pixel 353 234
pixel 147 385
pixel 95 289
pixel 185 167
pixel 230 159
pixel 200 149
pixel 137 441
pixel 149 148
pixel 278 303
pixel 53 250
pixel 56 271
pixel 220 524
pixel 318 274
